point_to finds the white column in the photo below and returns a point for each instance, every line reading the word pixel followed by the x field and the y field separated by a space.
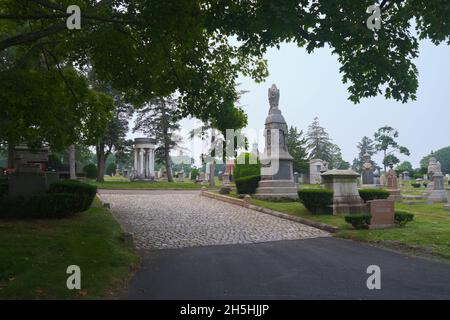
pixel 152 164
pixel 141 161
pixel 149 173
pixel 136 153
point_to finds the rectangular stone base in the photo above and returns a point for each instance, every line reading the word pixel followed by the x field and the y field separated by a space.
pixel 381 226
pixel 343 209
pixel 395 195
pixel 276 190
pixel 447 207
pixel 438 196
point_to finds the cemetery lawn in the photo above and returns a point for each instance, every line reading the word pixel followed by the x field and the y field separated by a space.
pixel 35 254
pixel 147 185
pixel 428 235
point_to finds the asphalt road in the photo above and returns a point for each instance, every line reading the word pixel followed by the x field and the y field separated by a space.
pixel 321 268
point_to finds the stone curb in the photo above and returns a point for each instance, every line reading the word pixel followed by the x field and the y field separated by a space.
pixel 246 203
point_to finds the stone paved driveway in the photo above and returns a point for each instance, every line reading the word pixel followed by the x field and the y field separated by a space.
pixel 177 219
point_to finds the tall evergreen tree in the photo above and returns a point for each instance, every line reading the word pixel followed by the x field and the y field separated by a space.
pixel 336 161
pixel 296 144
pixel 318 142
pixel 159 120
pixel 366 145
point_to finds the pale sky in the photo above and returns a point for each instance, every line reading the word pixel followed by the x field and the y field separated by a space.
pixel 310 85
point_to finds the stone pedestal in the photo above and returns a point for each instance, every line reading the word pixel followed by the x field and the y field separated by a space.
pixel 447 206
pixel 395 195
pixel 144 159
pixel 277 177
pixel 392 184
pixel 346 199
pixel 438 193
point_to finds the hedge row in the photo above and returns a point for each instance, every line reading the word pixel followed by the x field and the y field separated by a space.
pixel 85 192
pixel 64 199
pixel 316 200
pixel 373 194
pixel 247 185
pixel 362 221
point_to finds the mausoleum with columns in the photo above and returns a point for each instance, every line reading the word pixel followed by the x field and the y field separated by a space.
pixel 144 158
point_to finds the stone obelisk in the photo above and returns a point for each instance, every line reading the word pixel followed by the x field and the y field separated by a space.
pixel 277 176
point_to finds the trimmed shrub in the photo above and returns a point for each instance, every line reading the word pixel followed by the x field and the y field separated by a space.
pixel 40 206
pixel 415 185
pixel 373 194
pixel 247 185
pixel 90 170
pixel 403 217
pixel 243 167
pixel 194 174
pixel 359 221
pixel 316 200
pixel 425 184
pixel 83 191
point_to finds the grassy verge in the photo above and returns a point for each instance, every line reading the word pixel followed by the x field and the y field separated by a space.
pixel 428 234
pixel 35 254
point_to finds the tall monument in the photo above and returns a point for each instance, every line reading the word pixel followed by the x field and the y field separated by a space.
pixel 277 176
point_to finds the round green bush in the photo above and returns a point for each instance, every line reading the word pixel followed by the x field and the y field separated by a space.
pixel 403 217
pixel 83 191
pixel 415 185
pixel 247 185
pixel 359 221
pixel 194 174
pixel 90 170
pixel 245 166
pixel 317 200
pixel 373 194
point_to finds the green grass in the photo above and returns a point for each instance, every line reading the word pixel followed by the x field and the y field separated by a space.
pixel 34 256
pixel 428 234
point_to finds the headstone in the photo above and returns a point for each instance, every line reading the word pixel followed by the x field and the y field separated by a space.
pixel 201 176
pixel 27 179
pixel 225 179
pixel 447 206
pixel 367 172
pixel 277 177
pixel 392 184
pixel 406 176
pixel 346 199
pixel 376 178
pixel 382 212
pixel 433 166
pixel 181 176
pixel 219 175
pixel 296 176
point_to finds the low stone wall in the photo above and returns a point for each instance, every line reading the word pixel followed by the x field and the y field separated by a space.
pixel 246 203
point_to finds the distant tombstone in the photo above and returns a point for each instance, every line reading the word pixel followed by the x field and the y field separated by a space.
pixel 438 193
pixel 392 184
pixel 406 176
pixel 447 206
pixel 367 171
pixel 219 175
pixel 376 177
pixel 226 178
pixel 315 168
pixel 296 176
pixel 201 176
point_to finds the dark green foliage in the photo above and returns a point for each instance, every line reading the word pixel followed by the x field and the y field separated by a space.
pixel 41 206
pixel 247 167
pixel 3 189
pixel 403 217
pixel 247 185
pixel 194 174
pixel 373 194
pixel 296 144
pixel 316 200
pixel 83 191
pixel 90 170
pixel 359 221
pixel 111 169
pixel 443 156
pixel 415 185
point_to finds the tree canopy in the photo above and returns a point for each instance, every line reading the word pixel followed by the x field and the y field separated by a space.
pixel 197 48
pixel 442 155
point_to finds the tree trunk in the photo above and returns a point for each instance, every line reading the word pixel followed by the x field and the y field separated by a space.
pixel 73 174
pixel 101 160
pixel 10 155
pixel 167 162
